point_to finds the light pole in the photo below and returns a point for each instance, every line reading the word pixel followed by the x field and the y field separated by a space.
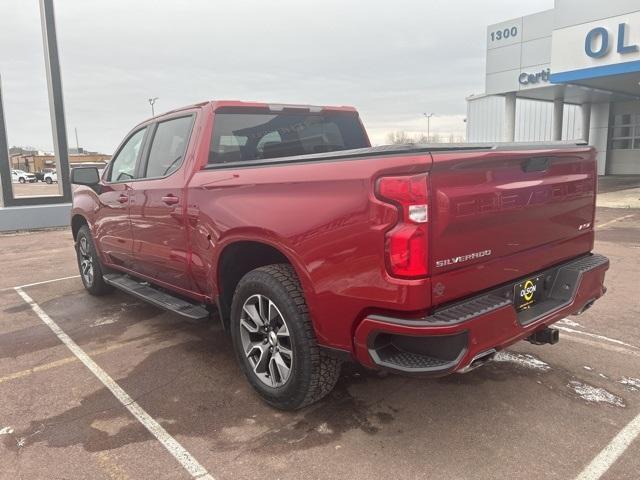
pixel 151 102
pixel 428 117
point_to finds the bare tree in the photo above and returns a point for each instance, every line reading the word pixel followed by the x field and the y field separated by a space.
pixel 399 138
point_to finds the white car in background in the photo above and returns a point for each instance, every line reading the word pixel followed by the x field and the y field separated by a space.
pixel 20 176
pixel 50 177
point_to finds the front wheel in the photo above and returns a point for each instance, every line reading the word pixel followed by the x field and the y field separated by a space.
pixel 48 180
pixel 275 342
pixel 22 180
pixel 91 269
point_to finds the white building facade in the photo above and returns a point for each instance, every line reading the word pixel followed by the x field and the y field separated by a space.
pixel 570 73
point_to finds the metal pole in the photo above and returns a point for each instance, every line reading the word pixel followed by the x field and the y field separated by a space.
pixel 151 102
pixel 428 117
pixel 56 103
pixel 77 142
pixel 6 192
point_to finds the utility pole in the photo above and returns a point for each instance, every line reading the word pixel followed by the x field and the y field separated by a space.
pixel 151 102
pixel 77 142
pixel 428 117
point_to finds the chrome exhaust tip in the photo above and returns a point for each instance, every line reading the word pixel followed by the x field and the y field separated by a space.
pixel 479 360
pixel 586 307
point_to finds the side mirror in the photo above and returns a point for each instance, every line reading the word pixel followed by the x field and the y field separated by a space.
pixel 88 176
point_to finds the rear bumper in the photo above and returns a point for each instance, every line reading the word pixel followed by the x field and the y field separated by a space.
pixel 452 337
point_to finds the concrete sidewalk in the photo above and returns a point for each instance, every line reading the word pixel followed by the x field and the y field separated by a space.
pixel 619 191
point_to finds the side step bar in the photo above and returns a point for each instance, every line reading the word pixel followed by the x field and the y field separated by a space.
pixel 156 297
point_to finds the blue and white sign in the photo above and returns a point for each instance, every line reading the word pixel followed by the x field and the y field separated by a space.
pixel 596 49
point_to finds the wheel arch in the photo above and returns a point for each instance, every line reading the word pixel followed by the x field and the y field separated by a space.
pixel 240 257
pixel 77 221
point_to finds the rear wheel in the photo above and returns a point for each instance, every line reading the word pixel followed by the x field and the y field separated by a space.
pixel 274 340
pixel 91 269
pixel 48 180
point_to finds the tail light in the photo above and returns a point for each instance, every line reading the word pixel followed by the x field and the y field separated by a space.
pixel 406 245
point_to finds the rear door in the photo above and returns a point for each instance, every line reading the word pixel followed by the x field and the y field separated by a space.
pixel 158 204
pixel 499 215
pixel 112 225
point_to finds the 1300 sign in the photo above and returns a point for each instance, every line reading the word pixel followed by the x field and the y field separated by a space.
pixel 504 33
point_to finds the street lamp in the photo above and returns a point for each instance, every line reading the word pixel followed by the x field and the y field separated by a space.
pixel 151 102
pixel 428 117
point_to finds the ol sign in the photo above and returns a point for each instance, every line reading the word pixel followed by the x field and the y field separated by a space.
pixel 597 42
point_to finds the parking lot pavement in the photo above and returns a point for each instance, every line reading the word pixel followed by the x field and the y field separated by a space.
pixel 35 189
pixel 538 412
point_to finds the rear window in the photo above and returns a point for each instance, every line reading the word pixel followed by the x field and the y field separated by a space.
pixel 239 137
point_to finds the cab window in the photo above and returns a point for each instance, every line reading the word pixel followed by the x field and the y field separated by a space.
pixel 124 164
pixel 253 134
pixel 168 147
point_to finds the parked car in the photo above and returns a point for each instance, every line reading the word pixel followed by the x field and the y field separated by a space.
pixel 316 248
pixel 40 175
pixel 50 177
pixel 20 176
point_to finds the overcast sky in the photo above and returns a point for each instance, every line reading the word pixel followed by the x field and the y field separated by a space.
pixel 393 60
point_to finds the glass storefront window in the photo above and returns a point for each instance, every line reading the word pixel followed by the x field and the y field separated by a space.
pixel 625 134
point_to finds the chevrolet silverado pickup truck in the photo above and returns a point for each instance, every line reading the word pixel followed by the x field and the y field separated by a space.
pixel 316 248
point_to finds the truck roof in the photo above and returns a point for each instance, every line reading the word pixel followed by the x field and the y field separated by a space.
pixel 217 104
pixel 275 106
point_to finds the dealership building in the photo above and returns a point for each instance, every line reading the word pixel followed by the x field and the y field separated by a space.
pixel 569 73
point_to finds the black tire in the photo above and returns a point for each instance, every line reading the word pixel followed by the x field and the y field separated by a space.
pixel 313 374
pixel 94 284
pixel 22 180
pixel 48 180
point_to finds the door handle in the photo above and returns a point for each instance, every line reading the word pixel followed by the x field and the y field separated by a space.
pixel 170 199
pixel 123 198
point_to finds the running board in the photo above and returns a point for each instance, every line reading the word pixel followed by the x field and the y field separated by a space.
pixel 146 292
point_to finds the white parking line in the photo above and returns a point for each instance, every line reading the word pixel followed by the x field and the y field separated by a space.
pixel 608 456
pixel 603 345
pixel 48 281
pixel 594 335
pixel 41 283
pixel 610 222
pixel 189 463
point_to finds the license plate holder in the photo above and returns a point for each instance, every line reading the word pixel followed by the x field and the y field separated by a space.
pixel 527 293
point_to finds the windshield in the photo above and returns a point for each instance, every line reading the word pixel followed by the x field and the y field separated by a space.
pixel 243 136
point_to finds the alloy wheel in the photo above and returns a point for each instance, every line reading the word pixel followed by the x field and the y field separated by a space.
pixel 86 261
pixel 266 341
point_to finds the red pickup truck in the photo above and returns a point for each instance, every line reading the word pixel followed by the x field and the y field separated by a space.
pixel 316 248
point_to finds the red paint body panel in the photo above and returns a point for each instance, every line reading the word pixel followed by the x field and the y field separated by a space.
pixel 485 202
pixel 497 329
pixel 112 224
pixel 325 217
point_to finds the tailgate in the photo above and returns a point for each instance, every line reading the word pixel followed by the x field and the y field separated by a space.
pixel 497 215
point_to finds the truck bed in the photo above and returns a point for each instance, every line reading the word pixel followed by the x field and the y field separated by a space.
pixel 408 149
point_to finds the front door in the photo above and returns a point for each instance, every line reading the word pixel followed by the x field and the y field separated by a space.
pixel 158 206
pixel 112 224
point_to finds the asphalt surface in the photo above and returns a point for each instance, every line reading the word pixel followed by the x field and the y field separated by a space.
pixel 36 189
pixel 539 412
